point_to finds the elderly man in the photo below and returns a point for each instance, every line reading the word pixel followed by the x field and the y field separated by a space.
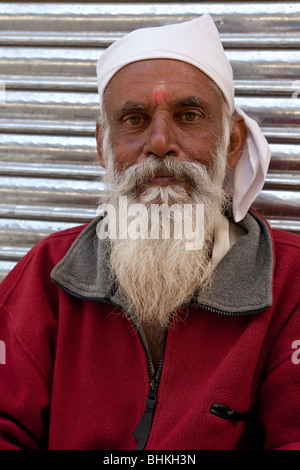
pixel 151 341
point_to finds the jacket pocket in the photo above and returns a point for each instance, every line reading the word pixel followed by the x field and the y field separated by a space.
pixel 224 412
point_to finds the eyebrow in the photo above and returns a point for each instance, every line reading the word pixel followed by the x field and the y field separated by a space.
pixel 131 106
pixel 128 106
pixel 191 101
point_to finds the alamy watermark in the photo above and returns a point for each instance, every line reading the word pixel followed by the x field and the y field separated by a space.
pixel 296 86
pixel 2 352
pixel 137 221
pixel 296 354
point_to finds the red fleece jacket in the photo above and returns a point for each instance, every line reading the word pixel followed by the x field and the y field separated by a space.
pixel 75 374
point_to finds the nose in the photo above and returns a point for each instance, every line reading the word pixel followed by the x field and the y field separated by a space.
pixel 160 140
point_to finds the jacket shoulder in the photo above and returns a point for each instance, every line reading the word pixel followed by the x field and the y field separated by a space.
pixel 36 265
pixel 287 259
pixel 288 239
pixel 55 245
pixel 66 237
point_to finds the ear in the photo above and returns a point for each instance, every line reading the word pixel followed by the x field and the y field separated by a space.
pixel 237 140
pixel 99 140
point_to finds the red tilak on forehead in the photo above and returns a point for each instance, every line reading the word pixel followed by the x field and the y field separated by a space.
pixel 159 93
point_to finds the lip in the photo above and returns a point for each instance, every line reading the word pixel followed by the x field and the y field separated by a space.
pixel 162 180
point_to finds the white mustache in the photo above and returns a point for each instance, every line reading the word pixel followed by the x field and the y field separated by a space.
pixel 137 174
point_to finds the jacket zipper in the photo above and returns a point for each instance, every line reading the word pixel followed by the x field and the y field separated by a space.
pixel 143 429
pixel 221 312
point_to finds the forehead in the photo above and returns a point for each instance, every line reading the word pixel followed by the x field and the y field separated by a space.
pixel 139 81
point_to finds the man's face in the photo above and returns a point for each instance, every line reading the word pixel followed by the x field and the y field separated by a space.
pixel 165 141
pixel 163 107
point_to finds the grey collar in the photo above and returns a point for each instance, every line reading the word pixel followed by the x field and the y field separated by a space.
pixel 242 280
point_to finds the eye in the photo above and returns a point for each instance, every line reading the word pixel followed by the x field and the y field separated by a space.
pixel 133 121
pixel 189 116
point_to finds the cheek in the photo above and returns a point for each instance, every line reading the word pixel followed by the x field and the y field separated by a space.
pixel 201 148
pixel 127 152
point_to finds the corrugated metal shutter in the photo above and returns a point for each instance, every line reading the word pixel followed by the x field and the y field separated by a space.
pixel 49 177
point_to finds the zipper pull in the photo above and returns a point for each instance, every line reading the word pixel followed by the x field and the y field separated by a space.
pixel 224 412
pixel 143 428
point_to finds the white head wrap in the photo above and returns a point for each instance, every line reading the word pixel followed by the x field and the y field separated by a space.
pixel 196 42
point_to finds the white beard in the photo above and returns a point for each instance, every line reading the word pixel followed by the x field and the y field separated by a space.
pixel 157 276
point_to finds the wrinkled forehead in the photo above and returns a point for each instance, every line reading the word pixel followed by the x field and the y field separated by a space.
pixel 159 79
